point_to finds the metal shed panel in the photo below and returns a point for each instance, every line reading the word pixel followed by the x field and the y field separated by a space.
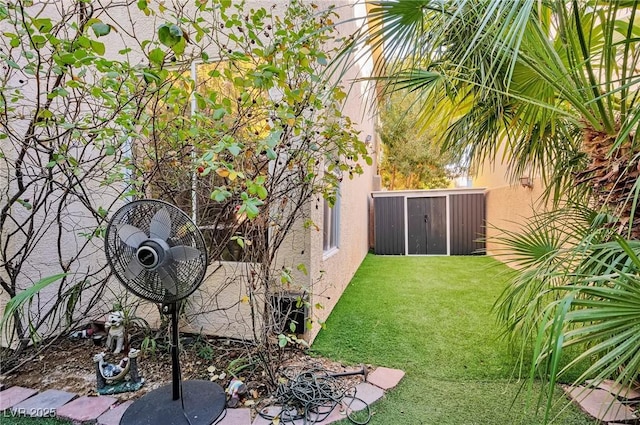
pixel 389 225
pixel 427 225
pixel 467 221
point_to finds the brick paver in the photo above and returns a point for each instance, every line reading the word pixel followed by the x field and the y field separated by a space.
pixel 368 393
pixel 102 410
pixel 600 404
pixel 240 416
pixel 14 395
pixel 618 390
pixel 44 404
pixel 385 377
pixel 87 408
pixel 114 414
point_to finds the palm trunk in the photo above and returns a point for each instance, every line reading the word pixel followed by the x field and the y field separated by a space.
pixel 612 176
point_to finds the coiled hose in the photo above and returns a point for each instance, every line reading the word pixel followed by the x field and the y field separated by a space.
pixel 311 396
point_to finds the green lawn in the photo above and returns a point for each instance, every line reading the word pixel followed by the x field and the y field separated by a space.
pixel 431 317
pixel 7 419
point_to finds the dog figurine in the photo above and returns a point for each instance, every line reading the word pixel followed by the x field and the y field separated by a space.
pixel 115 331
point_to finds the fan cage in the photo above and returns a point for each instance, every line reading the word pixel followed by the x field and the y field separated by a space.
pixel 188 275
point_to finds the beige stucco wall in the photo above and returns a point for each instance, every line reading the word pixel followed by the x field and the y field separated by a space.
pixel 508 204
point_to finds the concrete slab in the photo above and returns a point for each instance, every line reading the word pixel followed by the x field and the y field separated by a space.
pixel 114 414
pixel 87 408
pixel 385 377
pixel 368 393
pixel 337 414
pixel 44 404
pixel 618 390
pixel 241 416
pixel 600 404
pixel 14 395
pixel 271 411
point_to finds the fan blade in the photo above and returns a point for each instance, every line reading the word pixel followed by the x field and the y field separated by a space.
pixel 184 253
pixel 160 226
pixel 131 235
pixel 167 281
pixel 134 268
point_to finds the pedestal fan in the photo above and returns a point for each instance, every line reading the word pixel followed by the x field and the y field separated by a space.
pixel 159 254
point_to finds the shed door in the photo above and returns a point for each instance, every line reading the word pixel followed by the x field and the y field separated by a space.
pixel 427 225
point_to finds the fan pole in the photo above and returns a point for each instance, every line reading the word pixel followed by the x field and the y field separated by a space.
pixel 175 361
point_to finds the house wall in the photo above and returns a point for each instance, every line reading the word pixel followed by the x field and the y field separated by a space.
pixel 508 204
pixel 330 272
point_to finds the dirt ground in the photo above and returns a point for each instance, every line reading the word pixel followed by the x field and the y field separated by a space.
pixel 68 365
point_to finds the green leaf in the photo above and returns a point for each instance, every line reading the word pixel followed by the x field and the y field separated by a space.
pixel 271 154
pixel 234 149
pixel 273 138
pixel 150 76
pixel 100 29
pixel 25 203
pixel 68 59
pixel 239 240
pixel 43 25
pixel 301 267
pixel 22 297
pixel 282 340
pixel 262 192
pixel 80 54
pixel 142 4
pixel 219 113
pixel 179 47
pixel 12 64
pixel 156 56
pixel 98 47
pixel 169 34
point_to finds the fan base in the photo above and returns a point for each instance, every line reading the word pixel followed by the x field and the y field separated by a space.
pixel 204 401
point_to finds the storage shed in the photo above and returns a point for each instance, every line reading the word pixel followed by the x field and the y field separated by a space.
pixel 429 222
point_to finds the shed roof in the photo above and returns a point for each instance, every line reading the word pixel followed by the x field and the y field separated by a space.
pixel 415 193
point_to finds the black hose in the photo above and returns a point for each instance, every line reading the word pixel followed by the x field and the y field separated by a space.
pixel 311 396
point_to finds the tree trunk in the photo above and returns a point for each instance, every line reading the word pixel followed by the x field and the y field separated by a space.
pixel 612 177
pixel 393 178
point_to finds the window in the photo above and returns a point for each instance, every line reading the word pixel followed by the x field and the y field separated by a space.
pixel 331 225
pixel 170 158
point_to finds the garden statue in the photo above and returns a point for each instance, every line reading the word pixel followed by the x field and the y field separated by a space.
pixel 236 390
pixel 115 331
pixel 118 378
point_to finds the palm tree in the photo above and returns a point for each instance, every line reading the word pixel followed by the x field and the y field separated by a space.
pixel 552 85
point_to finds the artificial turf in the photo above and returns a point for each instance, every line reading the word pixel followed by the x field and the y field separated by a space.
pixel 6 418
pixel 431 317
